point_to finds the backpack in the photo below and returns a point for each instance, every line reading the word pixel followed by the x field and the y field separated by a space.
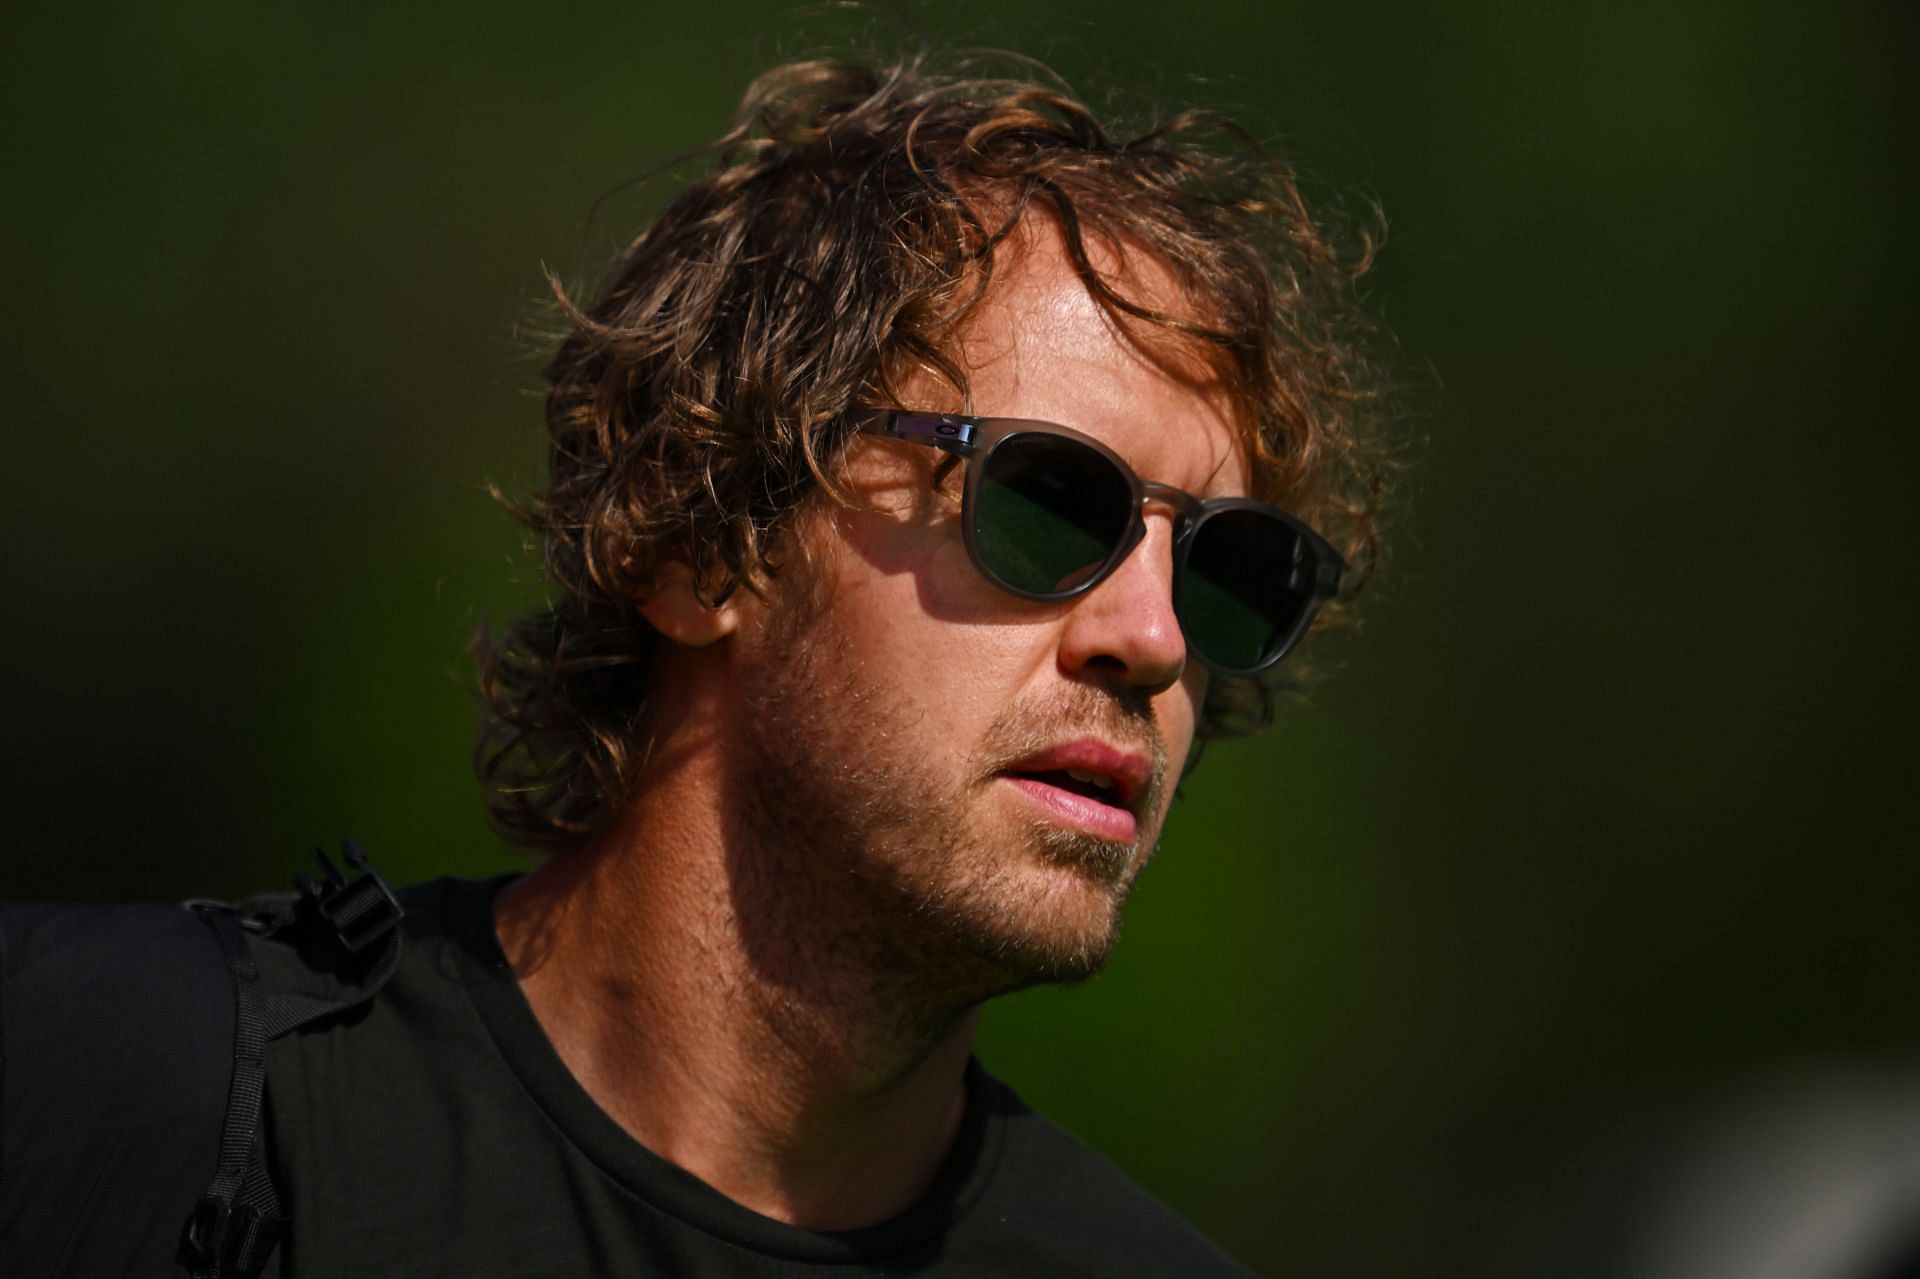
pixel 133 1068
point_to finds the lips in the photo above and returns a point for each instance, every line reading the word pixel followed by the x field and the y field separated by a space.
pixel 1092 767
pixel 1090 783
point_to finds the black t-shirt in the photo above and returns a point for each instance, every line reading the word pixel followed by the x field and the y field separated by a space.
pixel 437 1132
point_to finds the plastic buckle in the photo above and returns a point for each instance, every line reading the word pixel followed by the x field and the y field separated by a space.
pixel 359 912
pixel 208 1230
pixel 254 1238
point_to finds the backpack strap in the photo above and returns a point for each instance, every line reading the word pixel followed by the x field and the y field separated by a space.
pixel 240 1220
pixel 225 1232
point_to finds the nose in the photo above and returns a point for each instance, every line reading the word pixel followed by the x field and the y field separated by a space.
pixel 1123 632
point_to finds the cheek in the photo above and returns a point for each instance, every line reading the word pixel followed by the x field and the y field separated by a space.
pixel 909 571
pixel 1178 711
pixel 898 593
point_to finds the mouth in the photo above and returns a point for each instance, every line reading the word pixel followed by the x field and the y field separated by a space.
pixel 1088 784
pixel 1095 786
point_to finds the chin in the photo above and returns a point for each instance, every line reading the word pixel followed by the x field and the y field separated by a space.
pixel 1055 925
pixel 1054 961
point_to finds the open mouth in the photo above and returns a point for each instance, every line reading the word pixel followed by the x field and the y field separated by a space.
pixel 1088 784
pixel 1095 786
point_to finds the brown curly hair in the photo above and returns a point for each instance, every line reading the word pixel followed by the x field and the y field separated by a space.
pixel 840 236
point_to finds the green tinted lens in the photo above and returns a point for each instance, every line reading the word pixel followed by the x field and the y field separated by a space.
pixel 1248 581
pixel 1048 513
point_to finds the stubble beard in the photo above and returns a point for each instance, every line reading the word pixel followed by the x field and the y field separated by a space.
pixel 884 865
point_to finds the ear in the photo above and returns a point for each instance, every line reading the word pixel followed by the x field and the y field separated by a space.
pixel 676 610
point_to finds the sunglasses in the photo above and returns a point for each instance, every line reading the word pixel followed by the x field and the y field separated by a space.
pixel 1049 513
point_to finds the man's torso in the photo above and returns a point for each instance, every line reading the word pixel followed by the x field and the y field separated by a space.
pixel 437 1132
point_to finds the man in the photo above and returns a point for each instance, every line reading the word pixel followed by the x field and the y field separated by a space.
pixel 915 511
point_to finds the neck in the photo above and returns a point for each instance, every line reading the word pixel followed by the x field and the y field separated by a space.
pixel 734 1015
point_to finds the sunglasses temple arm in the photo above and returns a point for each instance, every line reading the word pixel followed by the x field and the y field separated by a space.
pixel 949 432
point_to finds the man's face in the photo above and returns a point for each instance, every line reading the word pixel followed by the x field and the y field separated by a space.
pixel 914 733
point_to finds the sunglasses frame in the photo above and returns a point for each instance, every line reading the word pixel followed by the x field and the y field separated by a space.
pixel 974 439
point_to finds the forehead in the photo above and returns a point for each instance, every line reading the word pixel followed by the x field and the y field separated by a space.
pixel 1039 344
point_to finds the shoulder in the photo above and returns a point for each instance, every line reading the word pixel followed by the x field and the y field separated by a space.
pixel 116 1047
pixel 1061 1194
pixel 435 915
pixel 407 1021
pixel 91 993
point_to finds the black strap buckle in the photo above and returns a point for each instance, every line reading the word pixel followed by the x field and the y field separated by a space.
pixel 208 1230
pixel 360 911
pixel 228 1238
pixel 255 1236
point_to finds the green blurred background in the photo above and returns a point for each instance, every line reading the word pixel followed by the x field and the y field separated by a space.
pixel 1604 813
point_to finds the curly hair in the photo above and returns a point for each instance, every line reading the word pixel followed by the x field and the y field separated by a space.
pixel 848 224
